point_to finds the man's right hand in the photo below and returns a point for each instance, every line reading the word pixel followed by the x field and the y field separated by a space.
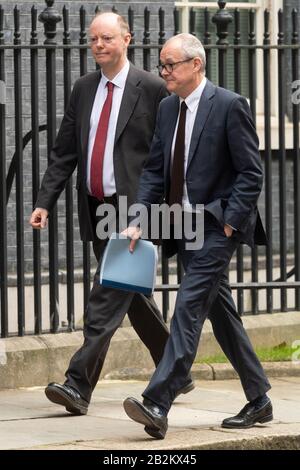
pixel 39 218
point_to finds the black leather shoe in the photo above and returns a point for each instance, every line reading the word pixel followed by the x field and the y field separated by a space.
pixel 150 415
pixel 186 389
pixel 250 415
pixel 68 397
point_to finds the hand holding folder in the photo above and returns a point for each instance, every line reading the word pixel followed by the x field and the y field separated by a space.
pixel 121 269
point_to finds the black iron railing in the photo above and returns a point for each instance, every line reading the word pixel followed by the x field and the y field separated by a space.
pixel 11 169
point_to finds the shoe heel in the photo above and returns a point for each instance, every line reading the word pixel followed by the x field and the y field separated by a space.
pixel 266 419
pixel 188 388
pixel 158 434
pixel 78 410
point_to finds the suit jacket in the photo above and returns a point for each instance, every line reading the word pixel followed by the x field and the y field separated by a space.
pixel 224 170
pixel 135 127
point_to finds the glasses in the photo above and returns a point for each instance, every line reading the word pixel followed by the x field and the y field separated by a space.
pixel 170 67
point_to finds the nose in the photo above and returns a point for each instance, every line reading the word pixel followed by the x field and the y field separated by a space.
pixel 164 72
pixel 99 42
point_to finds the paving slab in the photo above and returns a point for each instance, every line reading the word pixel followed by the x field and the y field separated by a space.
pixel 29 421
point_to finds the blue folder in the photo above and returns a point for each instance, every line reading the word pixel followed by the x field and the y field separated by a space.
pixel 134 272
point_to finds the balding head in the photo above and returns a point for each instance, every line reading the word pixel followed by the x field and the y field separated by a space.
pixel 109 40
pixel 112 19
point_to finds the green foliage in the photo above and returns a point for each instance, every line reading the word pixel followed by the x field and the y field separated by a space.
pixel 282 352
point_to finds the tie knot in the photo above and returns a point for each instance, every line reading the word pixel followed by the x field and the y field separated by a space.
pixel 183 106
pixel 110 86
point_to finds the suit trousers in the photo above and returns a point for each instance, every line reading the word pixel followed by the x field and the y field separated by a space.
pixel 105 312
pixel 205 293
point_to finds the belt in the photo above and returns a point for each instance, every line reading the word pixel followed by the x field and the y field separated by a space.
pixel 110 199
pixel 105 200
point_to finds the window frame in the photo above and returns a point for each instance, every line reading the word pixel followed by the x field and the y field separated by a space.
pixel 259 5
pixel 185 5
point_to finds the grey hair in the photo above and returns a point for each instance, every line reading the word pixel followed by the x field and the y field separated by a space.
pixel 192 47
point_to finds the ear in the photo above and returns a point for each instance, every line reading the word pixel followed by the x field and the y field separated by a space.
pixel 197 64
pixel 127 38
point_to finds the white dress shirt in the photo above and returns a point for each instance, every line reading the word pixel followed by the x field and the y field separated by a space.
pixel 109 184
pixel 192 102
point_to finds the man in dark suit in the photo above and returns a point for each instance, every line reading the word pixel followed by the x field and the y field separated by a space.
pixel 106 132
pixel 204 151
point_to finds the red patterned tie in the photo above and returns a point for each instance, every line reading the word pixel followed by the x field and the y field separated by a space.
pixel 99 146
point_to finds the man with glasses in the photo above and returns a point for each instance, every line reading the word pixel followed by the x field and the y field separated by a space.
pixel 106 132
pixel 204 151
pixel 170 67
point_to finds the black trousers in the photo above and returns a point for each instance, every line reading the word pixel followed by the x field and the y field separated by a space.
pixel 205 292
pixel 104 313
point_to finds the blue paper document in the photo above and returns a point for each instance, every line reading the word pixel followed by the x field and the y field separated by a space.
pixel 135 272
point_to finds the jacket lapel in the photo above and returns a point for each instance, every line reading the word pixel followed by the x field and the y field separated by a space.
pixel 86 112
pixel 130 97
pixel 203 111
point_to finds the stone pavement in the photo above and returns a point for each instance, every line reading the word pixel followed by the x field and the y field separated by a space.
pixel 29 421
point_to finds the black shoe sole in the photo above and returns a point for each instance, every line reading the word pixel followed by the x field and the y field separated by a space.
pixel 61 398
pixel 265 419
pixel 187 389
pixel 136 413
pixel 154 432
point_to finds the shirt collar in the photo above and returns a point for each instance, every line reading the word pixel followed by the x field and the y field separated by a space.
pixel 120 79
pixel 193 99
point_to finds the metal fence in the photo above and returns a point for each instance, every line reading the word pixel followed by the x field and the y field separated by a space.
pixel 11 169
